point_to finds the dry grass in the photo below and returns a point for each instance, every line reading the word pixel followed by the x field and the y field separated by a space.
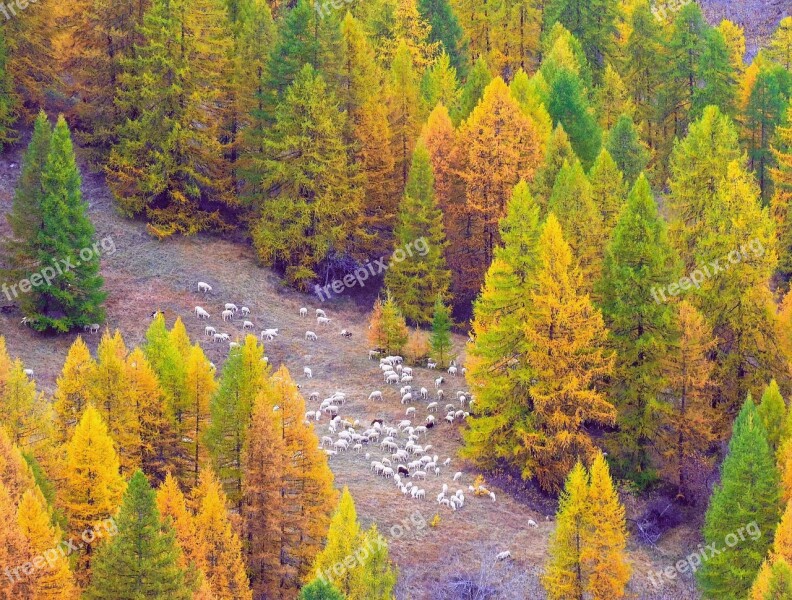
pixel 144 275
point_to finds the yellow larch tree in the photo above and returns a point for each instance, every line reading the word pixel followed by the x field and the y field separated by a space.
pixel 92 485
pixel 24 409
pixel 342 541
pixel 219 550
pixel 15 474
pixel 54 580
pixel 566 337
pixel 497 146
pixel 200 385
pixel 14 552
pixel 73 390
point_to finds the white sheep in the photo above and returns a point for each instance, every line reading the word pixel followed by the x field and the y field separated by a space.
pixel 322 321
pixel 457 475
pixel 326 440
pixel 204 287
pixel 303 312
pixel 248 325
pixel 410 411
pixel 432 406
pixel 406 398
pixel 376 395
pixel 532 523
pixel 227 315
pixel 424 394
pixel 447 461
pixel 209 331
pixel 269 334
pixel 341 444
pixel 421 494
pixel 392 378
pixel 307 372
pixel 320 313
pixel 232 345
pixel 245 311
pixel 28 372
pixel 310 335
pixel 201 313
pixel 439 381
pixel 452 370
pixel 231 306
pixel 492 495
pixel 503 555
pixel 431 365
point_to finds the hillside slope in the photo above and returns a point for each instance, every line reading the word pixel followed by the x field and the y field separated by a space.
pixel 758 17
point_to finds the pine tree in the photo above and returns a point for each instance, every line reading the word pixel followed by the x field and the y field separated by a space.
pixel 72 391
pixel 92 486
pixel 565 336
pixel 530 94
pixel 376 577
pixel 219 552
pixel 627 150
pixel 110 395
pixel 8 108
pixel 263 523
pixel 231 408
pixel 53 581
pixel 563 576
pixel 440 339
pixel 568 105
pixel 74 298
pixel 343 537
pixel 581 220
pixel 422 274
pixel 639 257
pixel 747 493
pixel 718 75
pixel 557 152
pixel 496 147
pixel 25 217
pixel 403 101
pixel 447 32
pixel 687 421
pixel 608 190
pixel 141 560
pixel 497 363
pixel 477 81
pixel 304 220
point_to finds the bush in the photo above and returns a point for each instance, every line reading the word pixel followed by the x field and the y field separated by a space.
pixel 417 348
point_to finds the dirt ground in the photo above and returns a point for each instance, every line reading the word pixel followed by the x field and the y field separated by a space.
pixel 144 275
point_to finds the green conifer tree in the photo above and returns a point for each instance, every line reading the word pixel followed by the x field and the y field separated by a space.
pixel 440 339
pixel 569 106
pixel 626 148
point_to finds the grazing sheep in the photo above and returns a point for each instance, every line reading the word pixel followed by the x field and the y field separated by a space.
pixel 420 474
pixel 307 372
pixel 341 444
pixel 532 523
pixel 457 475
pixel 431 365
pixel 248 325
pixel 402 470
pixel 28 372
pixel 303 312
pixel 227 315
pixel 245 311
pixel 269 334
pixel 209 331
pixel 204 287
pixel 232 345
pixel 452 370
pixel 320 313
pixel 373 354
pixel 376 395
pixel 231 306
pixel 424 394
pixel 503 555
pixel 439 381
pixel 392 378
pixel 326 439
pixel 313 397
pixel 410 411
pixel 310 335
pixel 358 448
pixel 407 371
pixel 406 398
pixel 430 419
pixel 406 378
pixel 492 495
pixel 322 321
pixel 346 334
pixel 447 461
pixel 440 395
pixel 431 407
pixel 421 494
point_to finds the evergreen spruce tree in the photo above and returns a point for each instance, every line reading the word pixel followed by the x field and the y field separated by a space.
pixel 319 589
pixel 719 77
pixel 477 81
pixel 446 31
pixel 74 298
pixel 638 258
pixel 422 274
pixel 593 23
pixel 747 493
pixel 25 217
pixel 141 560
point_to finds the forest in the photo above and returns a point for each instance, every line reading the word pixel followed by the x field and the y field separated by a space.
pixel 550 243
